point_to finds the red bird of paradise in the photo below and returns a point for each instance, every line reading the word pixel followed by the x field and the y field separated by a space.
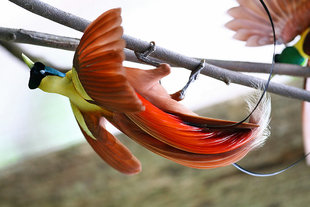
pixel 100 88
pixel 291 19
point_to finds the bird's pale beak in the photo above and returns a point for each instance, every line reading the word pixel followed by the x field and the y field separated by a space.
pixel 27 60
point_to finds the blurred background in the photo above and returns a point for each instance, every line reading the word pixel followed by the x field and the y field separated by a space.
pixel 45 161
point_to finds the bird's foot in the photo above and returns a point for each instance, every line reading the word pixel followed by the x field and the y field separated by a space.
pixel 144 56
pixel 180 95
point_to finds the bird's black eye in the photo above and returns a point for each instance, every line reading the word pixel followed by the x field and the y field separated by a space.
pixel 38 66
pixel 306 45
pixel 37 73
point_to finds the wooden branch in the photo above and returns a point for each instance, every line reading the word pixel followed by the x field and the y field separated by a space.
pixel 16 51
pixel 250 67
pixel 163 54
pixel 69 43
pixel 38 38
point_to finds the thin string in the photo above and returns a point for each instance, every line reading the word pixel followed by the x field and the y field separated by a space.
pixel 257 174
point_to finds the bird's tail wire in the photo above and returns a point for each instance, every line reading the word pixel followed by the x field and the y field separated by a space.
pixel 265 87
pixel 257 109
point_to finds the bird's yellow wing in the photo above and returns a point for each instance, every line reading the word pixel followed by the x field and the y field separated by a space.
pixel 98 73
pixel 108 147
pixel 252 25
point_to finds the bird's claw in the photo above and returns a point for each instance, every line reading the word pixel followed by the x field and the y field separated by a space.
pixel 144 56
pixel 193 76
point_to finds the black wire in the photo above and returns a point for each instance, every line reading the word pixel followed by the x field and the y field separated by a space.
pixel 265 88
pixel 256 174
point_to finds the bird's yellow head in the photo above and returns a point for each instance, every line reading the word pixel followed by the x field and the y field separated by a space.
pixel 38 71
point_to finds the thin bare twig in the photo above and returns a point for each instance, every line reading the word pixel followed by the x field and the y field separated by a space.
pixel 16 51
pixel 161 53
pixel 38 38
pixel 69 43
pixel 250 67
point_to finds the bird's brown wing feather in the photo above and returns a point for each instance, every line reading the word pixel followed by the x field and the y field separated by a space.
pixel 108 147
pixel 98 65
